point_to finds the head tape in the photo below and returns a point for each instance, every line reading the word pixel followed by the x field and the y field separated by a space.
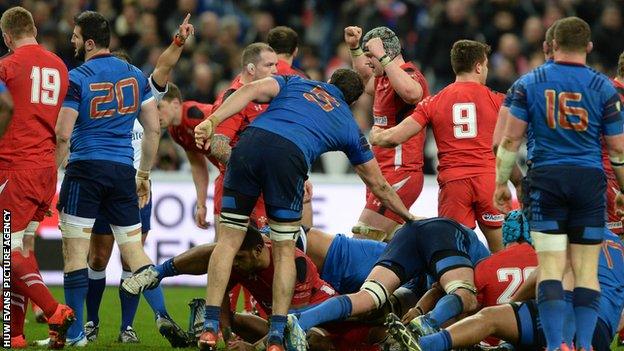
pixel 391 43
pixel 516 227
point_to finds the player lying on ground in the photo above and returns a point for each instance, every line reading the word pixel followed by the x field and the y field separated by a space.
pixel 305 119
pixel 518 322
pixel 101 245
pixel 411 254
pixel 396 87
pixel 497 277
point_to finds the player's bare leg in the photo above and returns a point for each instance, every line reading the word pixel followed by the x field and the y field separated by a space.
pixel 494 237
pixel 372 225
pixel 129 240
pixel 231 236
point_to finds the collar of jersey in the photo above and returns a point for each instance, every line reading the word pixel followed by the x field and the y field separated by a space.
pixel 569 63
pixel 100 56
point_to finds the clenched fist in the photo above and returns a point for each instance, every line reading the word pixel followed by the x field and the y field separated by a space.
pixel 352 36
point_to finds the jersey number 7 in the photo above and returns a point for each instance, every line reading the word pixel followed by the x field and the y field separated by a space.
pixel 565 111
pixel 112 91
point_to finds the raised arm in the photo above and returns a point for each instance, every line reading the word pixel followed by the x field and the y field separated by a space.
pixel 261 91
pixel 371 175
pixel 168 59
pixel 407 88
pixel 352 36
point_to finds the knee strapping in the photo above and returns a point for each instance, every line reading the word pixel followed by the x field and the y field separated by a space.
pixel 128 234
pixel 73 227
pixel 31 228
pixel 549 242
pixel 17 240
pixel 369 231
pixel 452 286
pixel 283 232
pixel 377 291
pixel 234 221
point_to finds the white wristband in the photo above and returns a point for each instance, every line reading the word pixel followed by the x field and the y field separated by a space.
pixel 505 161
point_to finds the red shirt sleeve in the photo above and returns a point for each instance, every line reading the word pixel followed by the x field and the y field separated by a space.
pixel 421 112
pixel 230 126
pixel 480 282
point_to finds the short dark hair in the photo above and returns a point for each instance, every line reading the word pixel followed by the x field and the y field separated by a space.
pixel 122 55
pixel 17 22
pixel 349 82
pixel 173 92
pixel 252 52
pixel 465 54
pixel 253 239
pixel 95 27
pixel 620 66
pixel 572 34
pixel 284 40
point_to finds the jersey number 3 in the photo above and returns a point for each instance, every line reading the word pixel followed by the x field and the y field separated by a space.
pixel 464 120
pixel 46 85
pixel 112 91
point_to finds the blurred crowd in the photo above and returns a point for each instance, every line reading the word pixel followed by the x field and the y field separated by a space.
pixel 144 28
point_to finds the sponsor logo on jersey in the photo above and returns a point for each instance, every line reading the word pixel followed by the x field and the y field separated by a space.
pixel 381 121
pixel 493 217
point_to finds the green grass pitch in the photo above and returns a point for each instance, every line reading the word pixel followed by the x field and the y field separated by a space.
pixel 177 299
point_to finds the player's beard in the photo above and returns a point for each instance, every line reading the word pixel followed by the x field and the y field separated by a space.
pixel 80 53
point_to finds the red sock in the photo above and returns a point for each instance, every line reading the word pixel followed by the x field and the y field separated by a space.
pixel 19 304
pixel 26 276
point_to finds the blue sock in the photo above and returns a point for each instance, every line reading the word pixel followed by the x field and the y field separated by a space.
pixel 440 341
pixel 569 326
pixel 211 318
pixel 551 306
pixel 276 332
pixel 447 307
pixel 156 300
pixel 586 303
pixel 129 303
pixel 335 309
pixel 97 284
pixel 76 286
pixel 167 269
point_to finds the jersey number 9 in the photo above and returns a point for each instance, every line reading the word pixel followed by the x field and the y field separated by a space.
pixel 322 98
pixel 565 111
pixel 114 91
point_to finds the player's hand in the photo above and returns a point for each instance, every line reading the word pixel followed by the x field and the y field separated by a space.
pixel 502 198
pixel 352 36
pixel 373 136
pixel 619 205
pixel 375 47
pixel 307 191
pixel 186 29
pixel 143 191
pixel 200 217
pixel 411 314
pixel 203 133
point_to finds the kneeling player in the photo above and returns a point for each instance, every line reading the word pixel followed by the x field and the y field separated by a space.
pixel 410 255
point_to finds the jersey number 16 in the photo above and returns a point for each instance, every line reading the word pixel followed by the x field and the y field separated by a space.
pixel 565 111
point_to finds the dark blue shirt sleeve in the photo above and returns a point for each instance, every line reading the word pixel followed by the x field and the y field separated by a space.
pixel 509 96
pixel 519 101
pixel 74 92
pixel 612 121
pixel 358 151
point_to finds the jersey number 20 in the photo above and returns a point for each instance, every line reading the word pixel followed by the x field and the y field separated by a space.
pixel 515 276
pixel 112 91
pixel 46 85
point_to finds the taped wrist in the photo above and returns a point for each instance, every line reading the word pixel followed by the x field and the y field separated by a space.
pixel 357 52
pixel 505 161
pixel 140 174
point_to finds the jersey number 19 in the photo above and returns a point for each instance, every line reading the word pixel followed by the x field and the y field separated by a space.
pixel 46 85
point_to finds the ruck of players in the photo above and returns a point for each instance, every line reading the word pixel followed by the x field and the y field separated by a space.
pixel 525 253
